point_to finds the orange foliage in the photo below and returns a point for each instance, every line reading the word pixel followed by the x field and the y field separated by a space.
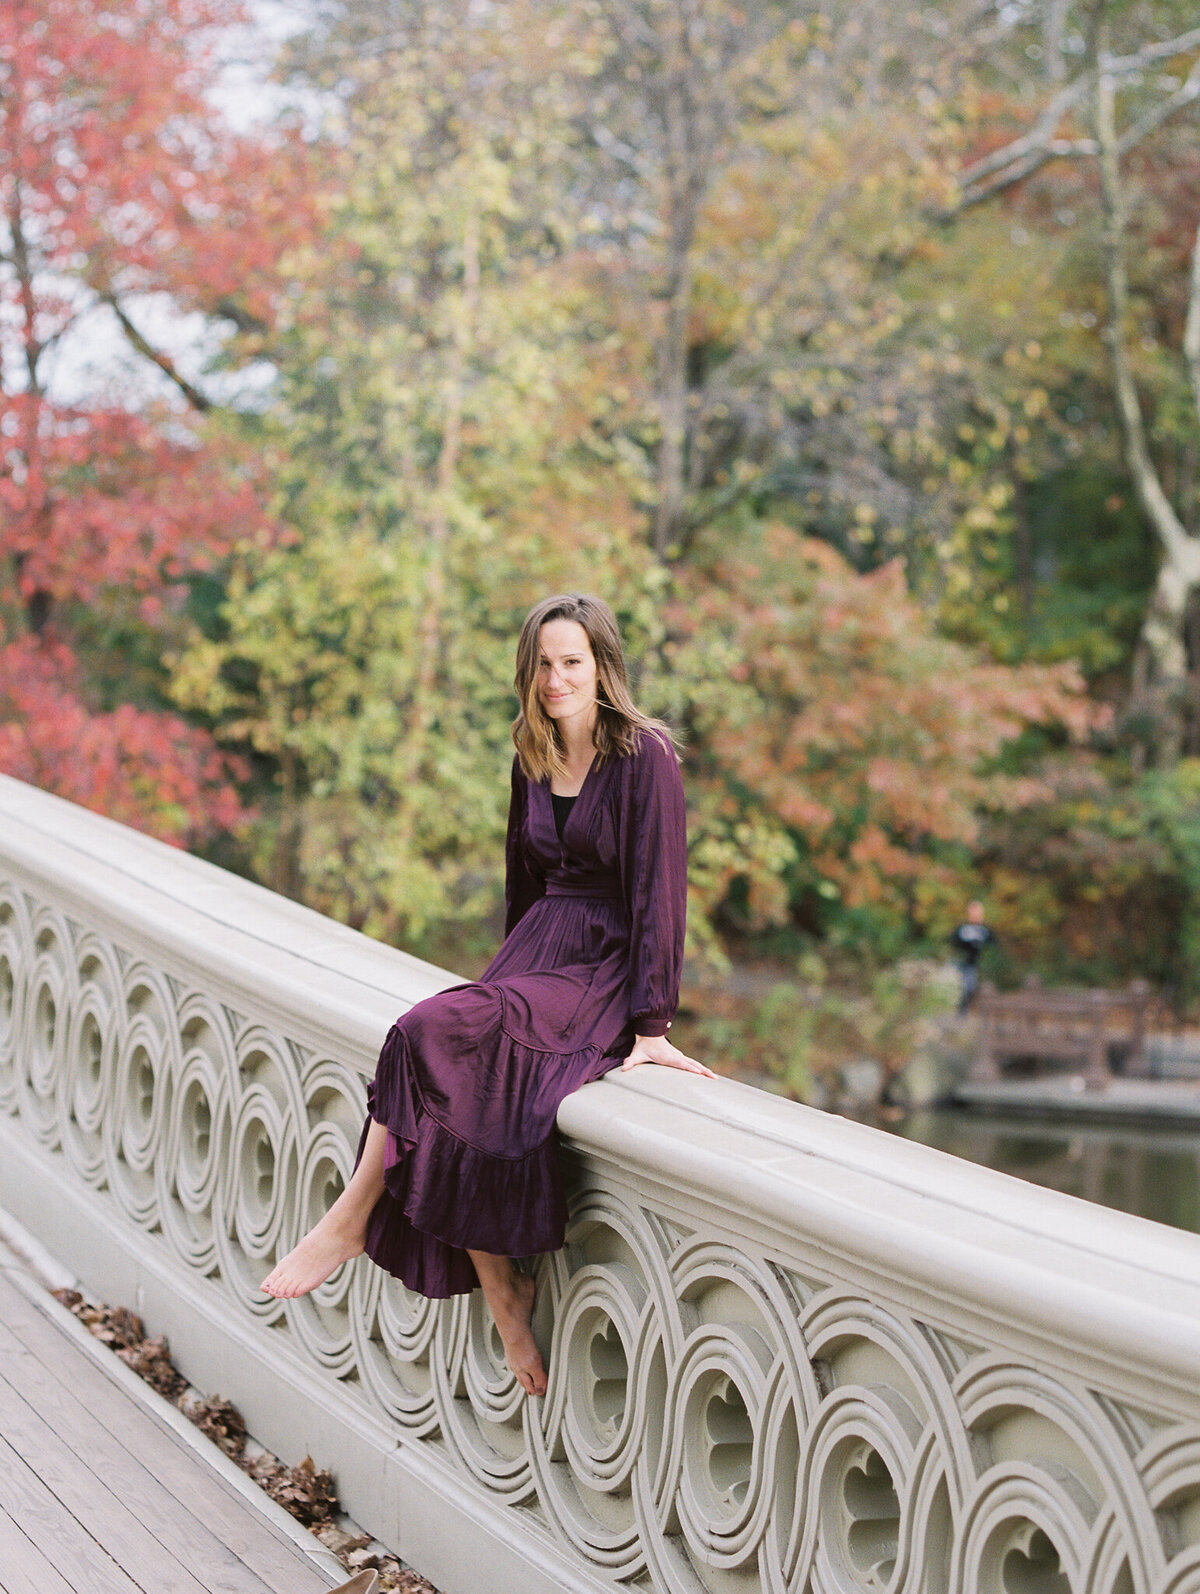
pixel 828 696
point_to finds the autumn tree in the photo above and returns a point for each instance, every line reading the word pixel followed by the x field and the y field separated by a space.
pixel 841 749
pixel 735 194
pixel 118 183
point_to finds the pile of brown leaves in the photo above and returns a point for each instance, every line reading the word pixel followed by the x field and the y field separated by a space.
pixel 219 1420
pixel 354 1552
pixel 307 1493
pixel 124 1332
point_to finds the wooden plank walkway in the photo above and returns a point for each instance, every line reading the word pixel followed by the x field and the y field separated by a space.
pixel 100 1495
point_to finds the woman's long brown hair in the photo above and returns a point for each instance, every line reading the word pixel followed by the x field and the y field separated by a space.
pixel 619 721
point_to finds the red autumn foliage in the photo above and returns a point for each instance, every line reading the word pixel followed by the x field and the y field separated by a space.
pixel 146 769
pixel 117 180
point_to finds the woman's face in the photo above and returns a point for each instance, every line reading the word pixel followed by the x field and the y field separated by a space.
pixel 567 677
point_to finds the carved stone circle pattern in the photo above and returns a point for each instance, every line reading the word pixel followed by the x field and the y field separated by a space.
pixel 718 1419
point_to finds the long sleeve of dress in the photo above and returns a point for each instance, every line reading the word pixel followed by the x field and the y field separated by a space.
pixel 654 881
pixel 522 886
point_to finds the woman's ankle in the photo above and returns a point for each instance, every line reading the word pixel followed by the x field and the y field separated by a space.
pixel 349 1223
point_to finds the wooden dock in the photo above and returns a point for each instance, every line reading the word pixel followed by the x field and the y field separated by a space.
pixel 99 1492
pixel 1159 1101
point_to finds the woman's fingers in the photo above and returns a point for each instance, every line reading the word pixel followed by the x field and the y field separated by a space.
pixel 678 1059
pixel 691 1066
pixel 673 1059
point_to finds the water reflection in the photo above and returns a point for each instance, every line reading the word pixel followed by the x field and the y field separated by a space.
pixel 1153 1172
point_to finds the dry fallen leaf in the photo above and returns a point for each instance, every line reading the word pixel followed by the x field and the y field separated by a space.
pixel 220 1420
pixel 337 1540
pixel 151 1360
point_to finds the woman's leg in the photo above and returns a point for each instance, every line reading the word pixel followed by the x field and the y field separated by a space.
pixel 341 1233
pixel 509 1294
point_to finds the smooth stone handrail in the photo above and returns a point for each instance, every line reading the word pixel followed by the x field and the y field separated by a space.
pixel 787 1352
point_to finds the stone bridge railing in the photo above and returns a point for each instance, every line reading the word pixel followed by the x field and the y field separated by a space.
pixel 787 1353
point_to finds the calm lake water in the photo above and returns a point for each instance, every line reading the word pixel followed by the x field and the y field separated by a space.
pixel 1151 1171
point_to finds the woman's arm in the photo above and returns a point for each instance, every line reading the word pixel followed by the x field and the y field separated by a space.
pixel 654 876
pixel 654 880
pixel 522 886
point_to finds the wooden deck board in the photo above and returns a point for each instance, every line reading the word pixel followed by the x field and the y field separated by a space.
pixel 69 1425
pixel 55 1531
pixel 23 1567
pixel 165 1466
pixel 95 1484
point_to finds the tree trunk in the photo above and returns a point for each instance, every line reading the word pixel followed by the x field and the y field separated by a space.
pixel 1191 331
pixel 1054 28
pixel 681 199
pixel 429 632
pixel 38 602
pixel 1023 557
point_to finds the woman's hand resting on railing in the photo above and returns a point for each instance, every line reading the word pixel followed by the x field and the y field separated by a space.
pixel 658 1049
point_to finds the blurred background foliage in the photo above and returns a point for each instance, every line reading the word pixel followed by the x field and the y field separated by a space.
pixel 804 334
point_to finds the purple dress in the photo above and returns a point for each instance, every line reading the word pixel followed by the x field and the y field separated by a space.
pixel 469 1081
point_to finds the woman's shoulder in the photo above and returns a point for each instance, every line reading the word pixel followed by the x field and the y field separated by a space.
pixel 654 754
pixel 657 744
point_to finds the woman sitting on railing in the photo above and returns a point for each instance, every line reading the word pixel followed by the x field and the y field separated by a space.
pixel 458 1166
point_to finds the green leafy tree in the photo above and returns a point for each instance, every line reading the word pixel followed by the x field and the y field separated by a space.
pixel 471 413
pixel 443 462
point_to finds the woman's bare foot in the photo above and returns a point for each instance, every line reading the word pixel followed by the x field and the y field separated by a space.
pixel 341 1233
pixel 322 1250
pixel 513 1312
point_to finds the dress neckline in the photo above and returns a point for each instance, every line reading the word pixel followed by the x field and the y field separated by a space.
pixel 576 800
pixel 562 811
pixel 573 794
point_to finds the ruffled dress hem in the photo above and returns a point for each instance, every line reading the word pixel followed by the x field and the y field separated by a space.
pixel 443 1195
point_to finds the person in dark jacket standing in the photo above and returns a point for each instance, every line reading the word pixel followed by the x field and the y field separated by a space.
pixel 969 942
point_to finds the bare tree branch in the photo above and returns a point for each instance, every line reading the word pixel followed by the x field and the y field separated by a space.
pixel 241 318
pixel 1154 118
pixel 1032 142
pixel 1061 149
pixel 1025 154
pixel 1162 50
pixel 604 138
pixel 34 348
pixel 164 362
pixel 1149 488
